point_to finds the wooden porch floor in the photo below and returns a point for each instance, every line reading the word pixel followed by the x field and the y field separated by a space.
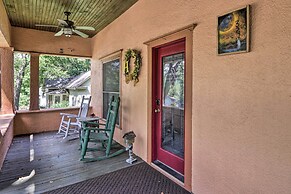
pixel 43 162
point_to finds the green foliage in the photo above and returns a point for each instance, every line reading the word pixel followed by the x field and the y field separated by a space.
pixel 62 104
pixel 52 67
pixel 136 55
pixel 174 82
pixel 19 60
pixel 24 101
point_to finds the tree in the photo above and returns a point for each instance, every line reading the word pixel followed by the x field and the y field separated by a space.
pixel 52 67
pixel 21 81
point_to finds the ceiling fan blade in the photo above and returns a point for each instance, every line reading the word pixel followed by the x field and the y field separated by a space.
pixel 59 33
pixel 44 25
pixel 84 28
pixel 81 33
pixel 63 22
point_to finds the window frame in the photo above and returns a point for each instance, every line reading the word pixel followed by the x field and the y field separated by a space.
pixel 112 57
pixel 56 96
pixel 1 83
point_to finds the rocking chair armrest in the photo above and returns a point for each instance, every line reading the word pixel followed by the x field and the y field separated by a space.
pixel 73 116
pixel 92 126
pixel 67 114
pixel 95 129
pixel 91 123
pixel 88 119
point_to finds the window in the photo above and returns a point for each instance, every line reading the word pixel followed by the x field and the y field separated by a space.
pixel 73 101
pixel 65 98
pixel 111 71
pixel 57 99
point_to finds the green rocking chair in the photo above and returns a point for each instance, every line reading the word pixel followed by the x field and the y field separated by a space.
pixel 100 133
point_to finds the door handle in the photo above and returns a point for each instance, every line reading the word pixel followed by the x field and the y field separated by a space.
pixel 157 110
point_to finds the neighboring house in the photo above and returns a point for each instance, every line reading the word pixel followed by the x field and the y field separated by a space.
pixel 54 92
pixel 78 87
pixel 61 90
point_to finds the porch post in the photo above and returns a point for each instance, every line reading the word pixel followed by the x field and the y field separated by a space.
pixel 7 80
pixel 34 81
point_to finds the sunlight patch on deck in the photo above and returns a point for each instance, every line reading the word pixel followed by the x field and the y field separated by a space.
pixel 31 151
pixel 30 188
pixel 24 179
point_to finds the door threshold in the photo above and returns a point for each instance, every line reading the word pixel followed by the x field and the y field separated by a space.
pixel 169 170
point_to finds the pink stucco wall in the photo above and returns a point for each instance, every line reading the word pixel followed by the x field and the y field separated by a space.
pixel 6 135
pixel 5 27
pixel 7 83
pixel 241 103
pixel 43 42
pixel 37 121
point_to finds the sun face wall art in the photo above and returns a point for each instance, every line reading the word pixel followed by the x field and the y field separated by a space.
pixel 233 32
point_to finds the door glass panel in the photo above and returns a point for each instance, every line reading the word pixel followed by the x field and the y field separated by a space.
pixel 173 104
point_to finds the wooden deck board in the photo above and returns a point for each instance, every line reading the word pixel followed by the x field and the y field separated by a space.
pixel 55 163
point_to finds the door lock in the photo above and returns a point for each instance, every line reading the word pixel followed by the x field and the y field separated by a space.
pixel 158 102
pixel 157 110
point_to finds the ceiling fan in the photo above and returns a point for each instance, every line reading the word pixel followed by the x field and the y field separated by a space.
pixel 67 27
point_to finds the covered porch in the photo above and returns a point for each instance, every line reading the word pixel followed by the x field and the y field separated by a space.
pixel 230 114
pixel 33 158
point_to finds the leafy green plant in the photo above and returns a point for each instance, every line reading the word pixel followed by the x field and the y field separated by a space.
pixel 63 104
pixel 136 55
pixel 53 67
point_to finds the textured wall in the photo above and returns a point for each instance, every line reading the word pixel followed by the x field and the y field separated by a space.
pixel 6 135
pixel 39 120
pixel 5 27
pixel 241 103
pixel 7 82
pixel 241 136
pixel 46 43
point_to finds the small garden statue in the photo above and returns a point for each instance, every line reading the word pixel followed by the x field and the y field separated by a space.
pixel 129 140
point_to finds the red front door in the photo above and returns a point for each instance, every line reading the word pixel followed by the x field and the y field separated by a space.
pixel 168 104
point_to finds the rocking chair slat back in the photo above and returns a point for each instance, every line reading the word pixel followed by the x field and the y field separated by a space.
pixel 70 122
pixel 112 115
pixel 84 106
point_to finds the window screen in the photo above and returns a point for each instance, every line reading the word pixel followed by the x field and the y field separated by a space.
pixel 110 83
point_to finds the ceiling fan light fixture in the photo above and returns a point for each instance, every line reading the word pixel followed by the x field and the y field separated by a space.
pixel 68 32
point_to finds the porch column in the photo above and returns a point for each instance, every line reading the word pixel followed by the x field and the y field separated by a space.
pixel 34 81
pixel 7 80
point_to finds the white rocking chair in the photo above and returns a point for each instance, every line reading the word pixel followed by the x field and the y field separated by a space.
pixel 70 121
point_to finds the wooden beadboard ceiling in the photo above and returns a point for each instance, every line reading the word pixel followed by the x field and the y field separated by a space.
pixel 95 13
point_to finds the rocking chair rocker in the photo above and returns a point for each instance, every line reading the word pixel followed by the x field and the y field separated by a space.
pixel 70 121
pixel 100 133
